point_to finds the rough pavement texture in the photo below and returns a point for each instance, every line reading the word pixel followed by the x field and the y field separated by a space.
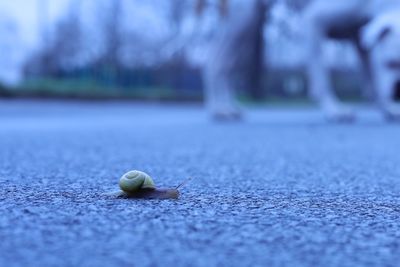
pixel 284 188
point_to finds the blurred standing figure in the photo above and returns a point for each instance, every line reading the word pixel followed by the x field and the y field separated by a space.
pixel 236 55
pixel 374 28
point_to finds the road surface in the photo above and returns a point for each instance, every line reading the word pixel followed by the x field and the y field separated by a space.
pixel 282 188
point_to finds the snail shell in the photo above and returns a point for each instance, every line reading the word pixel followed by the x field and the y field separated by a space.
pixel 134 181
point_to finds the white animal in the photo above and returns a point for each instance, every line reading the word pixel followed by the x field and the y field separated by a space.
pixel 373 26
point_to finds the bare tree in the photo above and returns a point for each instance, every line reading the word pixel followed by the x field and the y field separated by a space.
pixel 62 50
pixel 111 27
pixel 67 44
pixel 43 21
pixel 10 45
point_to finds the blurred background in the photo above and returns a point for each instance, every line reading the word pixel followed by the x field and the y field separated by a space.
pixel 150 50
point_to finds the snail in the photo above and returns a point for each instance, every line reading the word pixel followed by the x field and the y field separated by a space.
pixel 133 181
pixel 138 184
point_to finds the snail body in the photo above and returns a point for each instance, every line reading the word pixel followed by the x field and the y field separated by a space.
pixel 138 184
pixel 158 193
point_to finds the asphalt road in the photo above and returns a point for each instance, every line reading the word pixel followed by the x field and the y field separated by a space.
pixel 283 188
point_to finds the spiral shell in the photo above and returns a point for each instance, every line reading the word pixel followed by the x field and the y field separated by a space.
pixel 134 181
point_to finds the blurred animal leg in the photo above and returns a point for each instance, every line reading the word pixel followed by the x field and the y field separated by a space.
pixel 220 97
pixel 366 72
pixel 380 84
pixel 387 84
pixel 320 87
pixel 229 109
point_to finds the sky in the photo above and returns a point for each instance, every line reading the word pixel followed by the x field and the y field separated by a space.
pixel 24 36
pixel 25 14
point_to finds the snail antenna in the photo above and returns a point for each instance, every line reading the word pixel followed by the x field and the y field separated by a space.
pixel 184 182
